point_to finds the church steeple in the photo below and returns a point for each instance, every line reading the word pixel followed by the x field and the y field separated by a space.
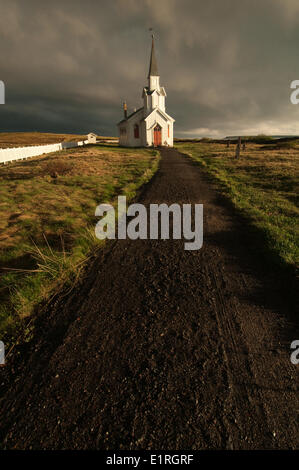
pixel 149 125
pixel 153 68
pixel 153 74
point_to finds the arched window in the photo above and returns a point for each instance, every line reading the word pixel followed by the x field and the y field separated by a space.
pixel 136 131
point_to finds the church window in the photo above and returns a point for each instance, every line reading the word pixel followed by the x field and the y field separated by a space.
pixel 136 131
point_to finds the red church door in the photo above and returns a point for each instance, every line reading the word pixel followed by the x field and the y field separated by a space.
pixel 157 136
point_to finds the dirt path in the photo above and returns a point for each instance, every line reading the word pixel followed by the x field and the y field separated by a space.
pixel 162 348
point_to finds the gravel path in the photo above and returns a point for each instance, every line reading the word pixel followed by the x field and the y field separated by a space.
pixel 162 348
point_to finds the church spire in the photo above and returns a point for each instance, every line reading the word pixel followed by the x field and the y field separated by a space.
pixel 153 68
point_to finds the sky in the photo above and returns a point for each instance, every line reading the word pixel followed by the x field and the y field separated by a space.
pixel 226 65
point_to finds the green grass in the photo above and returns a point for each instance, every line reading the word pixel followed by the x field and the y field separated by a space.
pixel 47 223
pixel 262 186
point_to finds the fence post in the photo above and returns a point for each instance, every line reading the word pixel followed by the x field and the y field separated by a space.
pixel 238 148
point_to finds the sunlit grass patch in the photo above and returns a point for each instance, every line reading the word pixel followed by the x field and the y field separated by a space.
pixel 47 220
pixel 262 184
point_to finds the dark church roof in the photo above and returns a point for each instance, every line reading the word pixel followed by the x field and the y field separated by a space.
pixel 131 115
pixel 153 68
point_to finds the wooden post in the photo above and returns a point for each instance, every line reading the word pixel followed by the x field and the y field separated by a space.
pixel 238 148
pixel 244 145
pixel 227 144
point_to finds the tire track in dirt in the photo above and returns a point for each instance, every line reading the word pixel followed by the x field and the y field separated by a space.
pixel 162 348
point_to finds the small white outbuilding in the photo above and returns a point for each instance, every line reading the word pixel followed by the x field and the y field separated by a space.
pixel 92 138
pixel 149 125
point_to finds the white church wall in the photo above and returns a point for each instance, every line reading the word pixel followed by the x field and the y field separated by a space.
pixel 143 133
pixel 135 141
pixel 147 104
pixel 162 103
pixel 158 101
pixel 171 135
pixel 154 82
pixel 154 119
pixel 165 133
pixel 149 137
pixel 123 134
pixel 122 140
pixel 129 139
pixel 155 100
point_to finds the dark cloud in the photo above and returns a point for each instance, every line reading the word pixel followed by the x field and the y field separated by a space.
pixel 226 65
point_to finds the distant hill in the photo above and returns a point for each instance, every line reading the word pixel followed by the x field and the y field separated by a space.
pixel 23 139
pixel 253 137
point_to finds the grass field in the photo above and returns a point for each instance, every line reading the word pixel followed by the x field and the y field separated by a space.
pixel 263 185
pixel 47 219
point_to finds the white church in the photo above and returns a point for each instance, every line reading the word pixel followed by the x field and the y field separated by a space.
pixel 149 125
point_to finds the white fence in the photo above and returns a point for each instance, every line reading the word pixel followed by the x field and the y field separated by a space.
pixel 19 153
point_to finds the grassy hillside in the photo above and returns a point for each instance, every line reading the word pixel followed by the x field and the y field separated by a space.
pixel 23 139
pixel 47 219
pixel 262 184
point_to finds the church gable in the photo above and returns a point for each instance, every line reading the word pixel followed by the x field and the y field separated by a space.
pixel 159 114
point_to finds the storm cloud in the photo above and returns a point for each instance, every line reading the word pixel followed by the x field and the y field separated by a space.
pixel 226 65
